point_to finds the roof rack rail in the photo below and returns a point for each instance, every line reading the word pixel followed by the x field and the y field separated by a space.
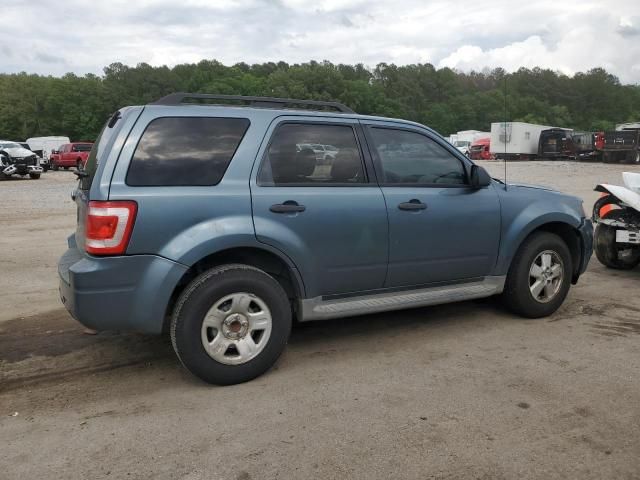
pixel 263 102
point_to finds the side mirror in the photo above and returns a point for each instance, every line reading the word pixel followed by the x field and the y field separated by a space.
pixel 479 177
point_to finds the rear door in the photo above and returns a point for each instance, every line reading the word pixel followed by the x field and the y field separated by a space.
pixel 440 228
pixel 327 214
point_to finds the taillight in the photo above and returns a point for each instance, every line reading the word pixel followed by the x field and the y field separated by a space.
pixel 108 226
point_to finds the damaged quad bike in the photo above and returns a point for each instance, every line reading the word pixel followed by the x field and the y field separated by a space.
pixel 617 218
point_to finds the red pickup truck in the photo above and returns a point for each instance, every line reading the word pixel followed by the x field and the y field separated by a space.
pixel 70 155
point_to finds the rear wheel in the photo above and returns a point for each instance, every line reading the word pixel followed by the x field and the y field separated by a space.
pixel 539 277
pixel 633 157
pixel 231 324
pixel 614 255
pixel 78 165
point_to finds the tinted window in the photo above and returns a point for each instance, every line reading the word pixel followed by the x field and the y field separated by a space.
pixel 313 155
pixel 185 151
pixel 82 147
pixel 409 157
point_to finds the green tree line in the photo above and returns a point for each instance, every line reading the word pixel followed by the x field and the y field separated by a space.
pixel 444 99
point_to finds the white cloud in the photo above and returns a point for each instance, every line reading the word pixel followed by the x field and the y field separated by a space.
pixel 84 36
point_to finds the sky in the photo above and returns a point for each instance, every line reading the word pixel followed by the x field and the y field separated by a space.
pixel 83 36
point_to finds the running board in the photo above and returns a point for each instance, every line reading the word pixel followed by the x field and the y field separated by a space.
pixel 319 309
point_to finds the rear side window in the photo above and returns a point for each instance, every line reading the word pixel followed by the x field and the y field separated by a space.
pixel 312 154
pixel 185 151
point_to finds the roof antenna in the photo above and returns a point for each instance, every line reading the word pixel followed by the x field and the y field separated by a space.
pixel 505 130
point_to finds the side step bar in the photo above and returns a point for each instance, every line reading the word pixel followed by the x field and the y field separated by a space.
pixel 319 309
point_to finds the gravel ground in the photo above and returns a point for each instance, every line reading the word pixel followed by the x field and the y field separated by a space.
pixel 456 391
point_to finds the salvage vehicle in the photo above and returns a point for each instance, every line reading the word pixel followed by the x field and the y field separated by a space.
pixel 617 218
pixel 215 223
pixel 555 144
pixel 622 145
pixel 17 160
pixel 481 149
pixel 71 155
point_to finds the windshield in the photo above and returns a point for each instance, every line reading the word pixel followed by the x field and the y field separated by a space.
pixel 461 143
pixel 9 145
pixel 82 147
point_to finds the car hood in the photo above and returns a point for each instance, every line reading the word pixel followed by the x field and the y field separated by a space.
pixel 18 152
pixel 536 187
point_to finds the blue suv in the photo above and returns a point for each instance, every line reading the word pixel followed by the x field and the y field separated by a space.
pixel 222 219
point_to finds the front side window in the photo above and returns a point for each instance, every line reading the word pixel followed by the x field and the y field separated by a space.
pixel 185 151
pixel 411 158
pixel 298 154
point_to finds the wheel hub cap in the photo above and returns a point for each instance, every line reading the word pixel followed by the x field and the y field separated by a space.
pixel 546 275
pixel 235 326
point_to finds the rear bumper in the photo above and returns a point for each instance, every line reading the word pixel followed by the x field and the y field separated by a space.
pixel 586 242
pixel 117 293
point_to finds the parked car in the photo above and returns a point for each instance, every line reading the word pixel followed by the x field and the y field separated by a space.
pixel 43 147
pixel 17 160
pixel 71 155
pixel 462 146
pixel 210 222
pixel 481 149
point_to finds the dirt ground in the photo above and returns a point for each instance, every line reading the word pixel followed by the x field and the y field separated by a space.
pixel 457 391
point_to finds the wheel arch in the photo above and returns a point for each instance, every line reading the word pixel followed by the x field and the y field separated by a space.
pixel 274 263
pixel 569 234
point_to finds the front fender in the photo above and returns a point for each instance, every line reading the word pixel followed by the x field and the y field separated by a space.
pixel 518 226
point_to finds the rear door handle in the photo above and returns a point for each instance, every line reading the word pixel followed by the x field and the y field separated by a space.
pixel 413 204
pixel 287 207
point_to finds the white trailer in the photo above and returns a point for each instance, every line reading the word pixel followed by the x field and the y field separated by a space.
pixel 628 126
pixel 44 145
pixel 515 140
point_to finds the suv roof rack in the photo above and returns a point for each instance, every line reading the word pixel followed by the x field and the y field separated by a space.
pixel 261 102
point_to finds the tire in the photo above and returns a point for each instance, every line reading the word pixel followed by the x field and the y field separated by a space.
pixel 607 252
pixel 518 293
pixel 66 168
pixel 34 176
pixel 208 295
pixel 607 157
pixel 45 168
pixel 55 167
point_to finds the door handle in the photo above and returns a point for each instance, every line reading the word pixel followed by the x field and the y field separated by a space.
pixel 289 206
pixel 413 204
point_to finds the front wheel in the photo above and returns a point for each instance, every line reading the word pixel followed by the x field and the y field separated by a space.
pixel 34 176
pixel 55 167
pixel 231 324
pixel 539 277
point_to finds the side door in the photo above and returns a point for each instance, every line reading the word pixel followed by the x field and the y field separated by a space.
pixel 66 155
pixel 440 228
pixel 328 216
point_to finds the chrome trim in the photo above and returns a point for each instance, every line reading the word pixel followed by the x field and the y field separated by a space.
pixel 319 309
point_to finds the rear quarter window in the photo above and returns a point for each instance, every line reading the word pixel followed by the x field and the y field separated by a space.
pixel 185 151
